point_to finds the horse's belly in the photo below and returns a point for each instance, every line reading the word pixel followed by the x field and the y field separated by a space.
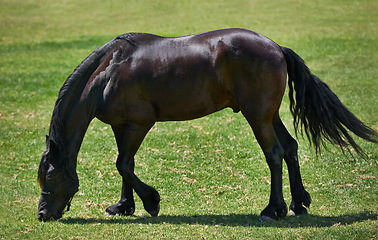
pixel 196 98
pixel 186 111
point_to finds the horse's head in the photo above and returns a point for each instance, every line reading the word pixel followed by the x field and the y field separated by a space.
pixel 57 183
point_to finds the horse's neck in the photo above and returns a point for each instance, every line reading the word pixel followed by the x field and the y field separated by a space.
pixel 71 119
pixel 76 106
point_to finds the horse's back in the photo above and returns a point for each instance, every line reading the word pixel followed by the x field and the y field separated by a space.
pixel 187 77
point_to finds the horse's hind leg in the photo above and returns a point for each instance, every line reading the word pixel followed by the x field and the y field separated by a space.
pixel 274 152
pixel 300 197
pixel 128 141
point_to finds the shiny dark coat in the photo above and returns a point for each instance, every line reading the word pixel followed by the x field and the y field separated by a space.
pixel 138 79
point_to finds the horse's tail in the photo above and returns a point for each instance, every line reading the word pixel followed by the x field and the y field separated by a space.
pixel 319 111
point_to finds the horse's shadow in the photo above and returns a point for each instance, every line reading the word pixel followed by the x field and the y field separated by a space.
pixel 244 220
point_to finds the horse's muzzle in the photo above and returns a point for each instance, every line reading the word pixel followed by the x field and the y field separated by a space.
pixel 44 216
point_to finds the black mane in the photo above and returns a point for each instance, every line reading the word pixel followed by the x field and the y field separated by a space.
pixel 68 94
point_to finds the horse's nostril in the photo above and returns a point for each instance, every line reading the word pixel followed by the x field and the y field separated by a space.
pixel 43 217
pixel 40 217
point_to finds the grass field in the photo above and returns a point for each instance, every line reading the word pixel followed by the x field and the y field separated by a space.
pixel 210 172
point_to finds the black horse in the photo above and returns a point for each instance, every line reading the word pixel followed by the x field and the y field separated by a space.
pixel 138 79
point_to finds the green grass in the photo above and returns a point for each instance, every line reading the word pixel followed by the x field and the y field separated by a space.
pixel 210 172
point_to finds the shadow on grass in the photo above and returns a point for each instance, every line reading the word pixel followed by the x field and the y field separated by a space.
pixel 242 220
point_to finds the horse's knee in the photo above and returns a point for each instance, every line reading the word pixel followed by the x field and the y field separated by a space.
pixel 125 168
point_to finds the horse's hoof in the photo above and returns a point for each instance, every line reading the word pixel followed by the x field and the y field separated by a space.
pixel 109 212
pixel 297 209
pixel 155 212
pixel 273 213
pixel 120 209
pixel 151 202
pixel 282 212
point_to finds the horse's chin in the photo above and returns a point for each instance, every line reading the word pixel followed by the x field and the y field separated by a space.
pixel 49 218
pixel 43 216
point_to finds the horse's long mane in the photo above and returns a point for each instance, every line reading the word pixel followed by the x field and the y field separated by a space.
pixel 70 93
pixel 75 84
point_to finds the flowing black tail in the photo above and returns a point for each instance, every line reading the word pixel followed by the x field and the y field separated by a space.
pixel 318 111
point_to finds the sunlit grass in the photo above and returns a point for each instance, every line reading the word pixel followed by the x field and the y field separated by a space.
pixel 210 172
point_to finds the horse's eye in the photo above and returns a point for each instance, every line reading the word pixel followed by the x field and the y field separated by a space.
pixel 51 174
pixel 49 177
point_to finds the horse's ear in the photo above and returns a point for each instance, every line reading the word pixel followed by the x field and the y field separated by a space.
pixel 47 143
pixel 53 150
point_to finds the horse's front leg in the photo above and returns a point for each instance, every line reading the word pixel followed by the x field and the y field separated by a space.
pixel 150 197
pixel 126 205
pixel 128 141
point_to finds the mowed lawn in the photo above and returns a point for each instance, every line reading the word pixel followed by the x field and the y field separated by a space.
pixel 210 172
